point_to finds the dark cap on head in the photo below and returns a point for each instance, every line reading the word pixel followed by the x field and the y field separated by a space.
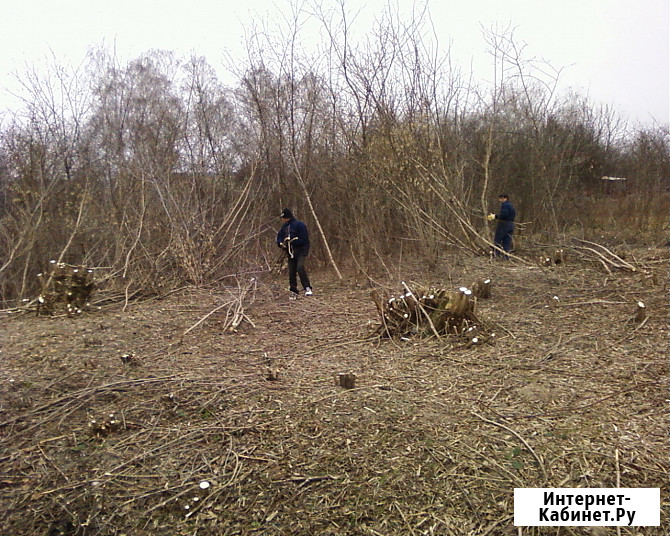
pixel 286 214
pixel 504 196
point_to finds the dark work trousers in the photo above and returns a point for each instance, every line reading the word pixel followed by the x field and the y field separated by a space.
pixel 503 237
pixel 296 266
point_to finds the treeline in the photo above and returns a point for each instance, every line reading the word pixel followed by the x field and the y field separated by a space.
pixel 158 173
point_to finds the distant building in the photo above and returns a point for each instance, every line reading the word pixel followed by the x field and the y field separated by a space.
pixel 615 185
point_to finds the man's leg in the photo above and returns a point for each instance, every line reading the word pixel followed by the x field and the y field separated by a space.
pixel 507 243
pixel 300 268
pixel 292 274
pixel 498 241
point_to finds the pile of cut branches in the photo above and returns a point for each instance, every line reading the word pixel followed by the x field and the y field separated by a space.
pixel 427 311
pixel 607 258
pixel 234 308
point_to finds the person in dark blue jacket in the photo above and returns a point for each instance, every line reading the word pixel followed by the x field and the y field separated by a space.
pixel 293 237
pixel 505 228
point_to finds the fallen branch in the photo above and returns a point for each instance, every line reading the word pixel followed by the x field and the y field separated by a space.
pixel 423 311
pixel 520 438
pixel 205 318
pixel 606 257
pixel 236 305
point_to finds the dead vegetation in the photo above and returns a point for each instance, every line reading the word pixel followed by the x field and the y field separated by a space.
pixel 230 418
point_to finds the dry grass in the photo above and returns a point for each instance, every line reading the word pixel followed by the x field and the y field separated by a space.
pixel 432 440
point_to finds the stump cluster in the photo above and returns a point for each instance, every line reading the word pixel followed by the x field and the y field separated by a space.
pixel 429 311
pixel 558 256
pixel 65 287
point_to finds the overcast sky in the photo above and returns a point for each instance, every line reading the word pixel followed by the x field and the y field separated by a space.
pixel 617 52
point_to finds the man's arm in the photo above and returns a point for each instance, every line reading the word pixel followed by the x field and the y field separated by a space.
pixel 280 236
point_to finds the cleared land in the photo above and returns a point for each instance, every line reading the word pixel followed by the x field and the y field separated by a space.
pixel 572 392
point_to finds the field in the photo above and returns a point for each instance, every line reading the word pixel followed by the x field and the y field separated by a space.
pixel 153 416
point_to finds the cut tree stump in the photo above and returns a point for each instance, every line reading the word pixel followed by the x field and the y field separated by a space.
pixel 559 256
pixel 273 376
pixel 482 289
pixel 640 313
pixel 65 286
pixel 346 380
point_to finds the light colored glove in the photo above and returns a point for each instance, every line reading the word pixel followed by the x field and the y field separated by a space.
pixel 491 217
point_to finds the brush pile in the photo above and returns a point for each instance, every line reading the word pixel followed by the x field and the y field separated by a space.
pixel 427 311
pixel 65 288
pixel 607 258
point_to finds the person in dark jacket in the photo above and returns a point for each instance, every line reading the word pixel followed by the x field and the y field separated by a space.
pixel 293 237
pixel 505 228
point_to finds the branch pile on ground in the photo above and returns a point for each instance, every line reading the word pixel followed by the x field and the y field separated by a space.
pixel 65 287
pixel 426 311
pixel 234 308
pixel 607 258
